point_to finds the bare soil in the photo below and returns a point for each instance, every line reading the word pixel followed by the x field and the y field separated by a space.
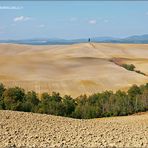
pixel 39 130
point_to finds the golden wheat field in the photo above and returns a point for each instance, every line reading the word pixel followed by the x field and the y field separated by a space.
pixel 74 69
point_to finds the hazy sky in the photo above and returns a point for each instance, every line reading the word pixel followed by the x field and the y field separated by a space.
pixel 21 20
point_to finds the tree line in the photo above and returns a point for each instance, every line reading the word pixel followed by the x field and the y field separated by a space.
pixel 104 104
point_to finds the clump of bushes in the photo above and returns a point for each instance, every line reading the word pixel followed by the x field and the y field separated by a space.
pixel 130 67
pixel 103 104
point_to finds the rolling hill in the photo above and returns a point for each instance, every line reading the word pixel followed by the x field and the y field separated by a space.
pixel 72 69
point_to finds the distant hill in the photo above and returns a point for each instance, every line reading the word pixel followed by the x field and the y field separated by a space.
pixel 137 39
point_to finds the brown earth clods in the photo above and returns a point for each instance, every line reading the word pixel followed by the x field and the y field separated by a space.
pixel 36 130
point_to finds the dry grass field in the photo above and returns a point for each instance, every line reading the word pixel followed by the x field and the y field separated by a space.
pixel 72 69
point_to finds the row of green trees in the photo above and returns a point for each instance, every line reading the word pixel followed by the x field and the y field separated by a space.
pixel 103 104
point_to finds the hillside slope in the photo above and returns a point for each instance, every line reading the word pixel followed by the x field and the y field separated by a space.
pixel 72 69
pixel 29 129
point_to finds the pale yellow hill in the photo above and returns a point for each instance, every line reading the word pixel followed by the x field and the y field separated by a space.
pixel 72 69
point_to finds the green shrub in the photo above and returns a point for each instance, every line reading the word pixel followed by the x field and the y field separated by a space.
pixel 2 89
pixel 69 105
pixel 13 97
pixel 130 67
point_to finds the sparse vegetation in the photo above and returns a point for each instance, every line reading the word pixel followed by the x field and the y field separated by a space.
pixel 131 67
pixel 103 104
pixel 138 71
